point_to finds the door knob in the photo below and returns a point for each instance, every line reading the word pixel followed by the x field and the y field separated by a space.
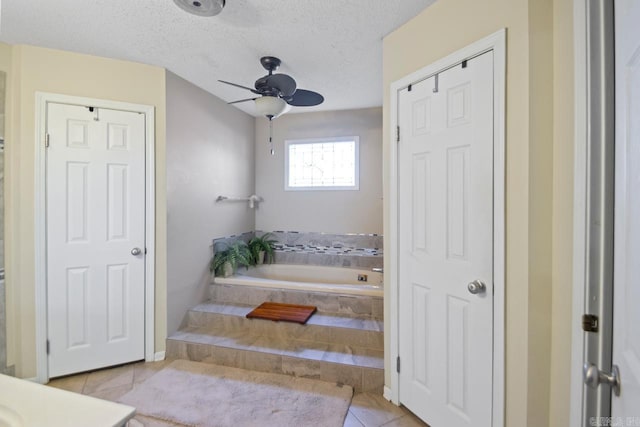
pixel 476 287
pixel 593 377
pixel 136 251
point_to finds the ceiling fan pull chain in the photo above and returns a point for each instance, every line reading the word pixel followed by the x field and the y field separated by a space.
pixel 271 150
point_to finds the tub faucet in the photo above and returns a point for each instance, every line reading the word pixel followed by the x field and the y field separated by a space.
pixel 377 270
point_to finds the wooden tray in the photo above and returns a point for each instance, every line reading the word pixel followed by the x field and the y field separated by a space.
pixel 286 312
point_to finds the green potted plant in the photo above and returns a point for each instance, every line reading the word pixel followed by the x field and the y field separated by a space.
pixel 262 247
pixel 225 262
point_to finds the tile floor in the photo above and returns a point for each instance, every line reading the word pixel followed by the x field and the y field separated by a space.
pixel 367 410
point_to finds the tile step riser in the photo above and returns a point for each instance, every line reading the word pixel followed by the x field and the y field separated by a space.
pixel 352 305
pixel 287 330
pixel 362 379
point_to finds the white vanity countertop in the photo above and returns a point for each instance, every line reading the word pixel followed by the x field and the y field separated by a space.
pixel 37 405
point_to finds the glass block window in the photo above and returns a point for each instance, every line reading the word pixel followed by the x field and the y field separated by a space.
pixel 322 164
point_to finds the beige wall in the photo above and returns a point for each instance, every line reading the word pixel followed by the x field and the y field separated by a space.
pixel 563 172
pixel 538 180
pixel 210 152
pixel 321 211
pixel 37 69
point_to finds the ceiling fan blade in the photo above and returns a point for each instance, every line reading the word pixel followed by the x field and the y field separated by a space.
pixel 242 100
pixel 305 98
pixel 284 83
pixel 240 86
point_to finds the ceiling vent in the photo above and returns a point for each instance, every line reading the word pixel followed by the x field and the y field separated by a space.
pixel 201 7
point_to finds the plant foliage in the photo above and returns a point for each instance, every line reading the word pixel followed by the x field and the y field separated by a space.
pixel 263 243
pixel 237 254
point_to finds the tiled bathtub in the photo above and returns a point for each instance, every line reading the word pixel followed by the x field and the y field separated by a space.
pixel 361 251
pixel 338 280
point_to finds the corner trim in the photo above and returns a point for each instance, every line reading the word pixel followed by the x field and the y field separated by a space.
pixel 387 393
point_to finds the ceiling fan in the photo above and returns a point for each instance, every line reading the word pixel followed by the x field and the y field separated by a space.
pixel 277 91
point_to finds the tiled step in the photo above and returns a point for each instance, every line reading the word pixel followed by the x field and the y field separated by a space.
pixel 348 305
pixel 320 328
pixel 342 342
pixel 359 367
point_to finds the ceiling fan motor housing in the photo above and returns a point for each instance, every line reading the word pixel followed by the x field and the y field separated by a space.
pixel 263 87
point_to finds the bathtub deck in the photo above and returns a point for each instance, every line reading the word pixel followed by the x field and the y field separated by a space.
pixel 344 347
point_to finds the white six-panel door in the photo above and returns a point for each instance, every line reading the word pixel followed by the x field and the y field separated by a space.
pixel 626 293
pixel 446 242
pixel 95 218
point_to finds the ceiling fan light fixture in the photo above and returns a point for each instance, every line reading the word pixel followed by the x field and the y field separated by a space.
pixel 271 106
pixel 201 7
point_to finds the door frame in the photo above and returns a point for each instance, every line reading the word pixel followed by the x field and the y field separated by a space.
pixel 582 65
pixel 495 42
pixel 579 209
pixel 40 225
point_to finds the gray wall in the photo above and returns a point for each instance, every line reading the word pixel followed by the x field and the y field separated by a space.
pixel 322 211
pixel 210 152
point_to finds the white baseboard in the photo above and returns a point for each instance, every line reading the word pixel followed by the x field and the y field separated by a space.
pixel 387 394
pixel 160 355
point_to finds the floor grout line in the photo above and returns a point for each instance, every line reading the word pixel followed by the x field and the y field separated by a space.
pixel 84 383
pixel 355 416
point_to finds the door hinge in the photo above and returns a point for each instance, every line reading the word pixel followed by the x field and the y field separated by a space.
pixel 590 323
pixel 398 364
pixel 145 251
pixel 397 133
pixel 46 141
pixel 48 347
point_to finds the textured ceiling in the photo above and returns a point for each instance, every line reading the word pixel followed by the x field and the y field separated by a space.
pixel 332 47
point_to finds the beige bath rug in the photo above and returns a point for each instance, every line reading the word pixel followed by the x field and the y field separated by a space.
pixel 201 394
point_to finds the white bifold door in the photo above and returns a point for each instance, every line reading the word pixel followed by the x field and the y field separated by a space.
pixel 95 237
pixel 446 245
